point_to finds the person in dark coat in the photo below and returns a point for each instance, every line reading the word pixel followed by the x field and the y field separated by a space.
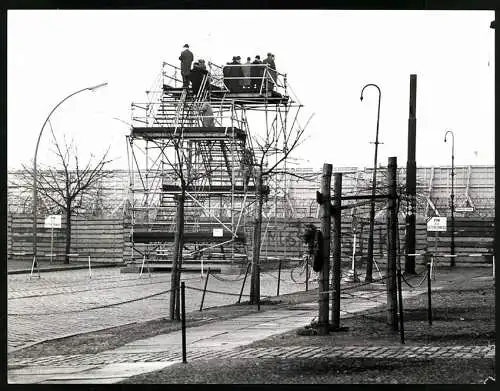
pixel 271 77
pixel 186 58
pixel 196 77
pixel 233 75
pixel 257 72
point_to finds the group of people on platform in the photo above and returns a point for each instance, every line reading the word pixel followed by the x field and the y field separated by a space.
pixel 238 77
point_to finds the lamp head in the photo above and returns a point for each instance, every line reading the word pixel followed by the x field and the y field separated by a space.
pixel 361 98
pixel 97 86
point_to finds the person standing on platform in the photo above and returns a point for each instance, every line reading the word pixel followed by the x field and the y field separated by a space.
pixel 186 58
pixel 246 70
pixel 257 72
pixel 271 78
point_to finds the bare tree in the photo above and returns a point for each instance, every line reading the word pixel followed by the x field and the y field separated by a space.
pixel 275 146
pixel 183 171
pixel 66 185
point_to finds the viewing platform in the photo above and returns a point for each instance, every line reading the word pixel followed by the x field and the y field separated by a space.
pixel 240 96
pixel 189 132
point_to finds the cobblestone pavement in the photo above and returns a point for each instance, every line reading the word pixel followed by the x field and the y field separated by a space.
pixel 68 302
pixel 287 352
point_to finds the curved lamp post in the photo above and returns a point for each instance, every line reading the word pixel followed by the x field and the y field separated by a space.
pixel 369 265
pixel 34 160
pixel 452 196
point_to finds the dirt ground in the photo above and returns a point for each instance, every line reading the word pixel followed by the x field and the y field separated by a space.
pixel 463 314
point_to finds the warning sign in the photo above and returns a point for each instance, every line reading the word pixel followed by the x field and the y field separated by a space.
pixel 53 221
pixel 437 224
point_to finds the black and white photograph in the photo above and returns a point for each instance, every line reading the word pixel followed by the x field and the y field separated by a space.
pixel 250 196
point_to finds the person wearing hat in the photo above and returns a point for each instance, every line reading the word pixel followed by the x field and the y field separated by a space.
pixel 186 58
pixel 271 77
pixel 257 71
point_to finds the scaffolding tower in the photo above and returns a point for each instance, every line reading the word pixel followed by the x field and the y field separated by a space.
pixel 200 139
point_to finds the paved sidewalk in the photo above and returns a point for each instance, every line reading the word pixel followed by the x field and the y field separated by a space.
pixel 218 339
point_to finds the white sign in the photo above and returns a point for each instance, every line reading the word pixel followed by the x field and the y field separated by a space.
pixel 218 233
pixel 437 224
pixel 464 209
pixel 53 221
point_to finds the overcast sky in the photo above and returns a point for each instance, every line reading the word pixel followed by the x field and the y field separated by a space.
pixel 328 57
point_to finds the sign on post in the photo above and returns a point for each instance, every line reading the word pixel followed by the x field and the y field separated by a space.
pixel 218 233
pixel 437 224
pixel 53 221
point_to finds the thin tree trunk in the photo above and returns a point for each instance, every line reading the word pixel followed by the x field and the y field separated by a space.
pixel 176 264
pixel 255 274
pixel 68 234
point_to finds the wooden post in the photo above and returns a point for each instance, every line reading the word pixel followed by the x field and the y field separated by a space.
pixel 324 274
pixel 337 237
pixel 279 278
pixel 411 178
pixel 183 311
pixel 392 225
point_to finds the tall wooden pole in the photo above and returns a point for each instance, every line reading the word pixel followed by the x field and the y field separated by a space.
pixel 392 226
pixel 324 274
pixel 337 237
pixel 411 179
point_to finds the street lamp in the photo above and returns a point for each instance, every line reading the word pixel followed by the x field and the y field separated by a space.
pixel 452 197
pixel 34 160
pixel 369 265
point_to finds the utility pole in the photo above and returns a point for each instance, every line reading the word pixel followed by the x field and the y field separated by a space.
pixel 411 179
pixel 337 237
pixel 324 274
pixel 392 226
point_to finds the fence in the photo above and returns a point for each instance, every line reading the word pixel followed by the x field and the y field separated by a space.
pixel 100 238
pixel 108 239
pixel 472 236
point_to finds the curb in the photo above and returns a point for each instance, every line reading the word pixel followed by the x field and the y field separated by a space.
pixel 62 268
